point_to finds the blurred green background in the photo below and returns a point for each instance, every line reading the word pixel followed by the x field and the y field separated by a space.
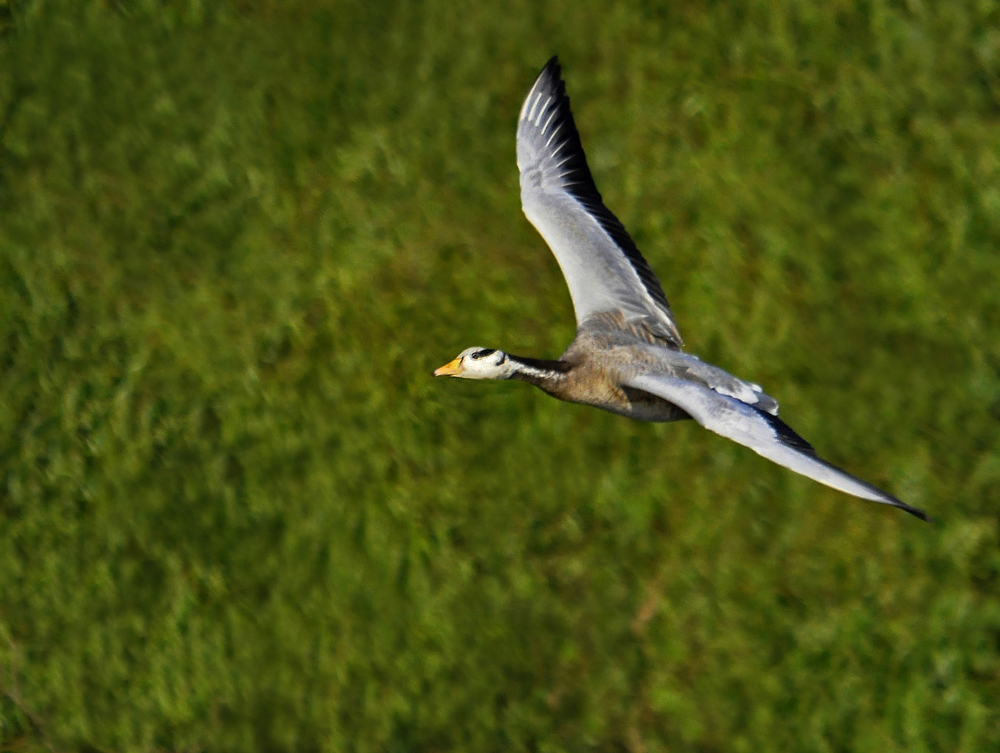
pixel 237 513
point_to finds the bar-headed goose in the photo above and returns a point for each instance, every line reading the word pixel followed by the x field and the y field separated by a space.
pixel 626 357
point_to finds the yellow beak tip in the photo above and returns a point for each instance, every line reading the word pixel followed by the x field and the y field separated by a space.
pixel 449 369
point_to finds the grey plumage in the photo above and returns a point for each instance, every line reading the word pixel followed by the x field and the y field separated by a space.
pixel 602 266
pixel 626 357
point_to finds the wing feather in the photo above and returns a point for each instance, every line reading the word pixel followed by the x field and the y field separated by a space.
pixel 602 266
pixel 765 434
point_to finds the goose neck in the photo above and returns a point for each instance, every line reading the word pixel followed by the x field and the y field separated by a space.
pixel 539 372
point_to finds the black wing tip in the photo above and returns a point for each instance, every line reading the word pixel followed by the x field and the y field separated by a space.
pixel 552 69
pixel 552 80
pixel 915 511
pixel 788 436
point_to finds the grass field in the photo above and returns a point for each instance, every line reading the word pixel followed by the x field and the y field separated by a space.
pixel 238 514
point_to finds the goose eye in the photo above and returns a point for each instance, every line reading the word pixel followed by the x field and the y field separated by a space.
pixel 481 354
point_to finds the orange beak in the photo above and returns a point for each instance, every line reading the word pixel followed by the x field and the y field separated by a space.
pixel 450 369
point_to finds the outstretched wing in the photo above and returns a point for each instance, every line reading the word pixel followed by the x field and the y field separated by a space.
pixel 603 268
pixel 765 434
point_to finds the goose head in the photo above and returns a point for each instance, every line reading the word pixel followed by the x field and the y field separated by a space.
pixel 479 363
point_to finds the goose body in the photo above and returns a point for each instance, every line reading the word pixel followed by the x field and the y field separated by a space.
pixel 627 355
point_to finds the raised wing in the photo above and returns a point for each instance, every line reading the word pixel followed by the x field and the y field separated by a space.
pixel 765 434
pixel 603 268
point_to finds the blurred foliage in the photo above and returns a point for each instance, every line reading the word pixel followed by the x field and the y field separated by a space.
pixel 236 513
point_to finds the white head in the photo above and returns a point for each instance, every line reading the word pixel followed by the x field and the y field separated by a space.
pixel 479 363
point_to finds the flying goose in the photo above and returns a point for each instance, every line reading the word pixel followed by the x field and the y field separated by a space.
pixel 626 357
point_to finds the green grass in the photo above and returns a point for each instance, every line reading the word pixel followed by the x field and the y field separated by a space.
pixel 237 514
